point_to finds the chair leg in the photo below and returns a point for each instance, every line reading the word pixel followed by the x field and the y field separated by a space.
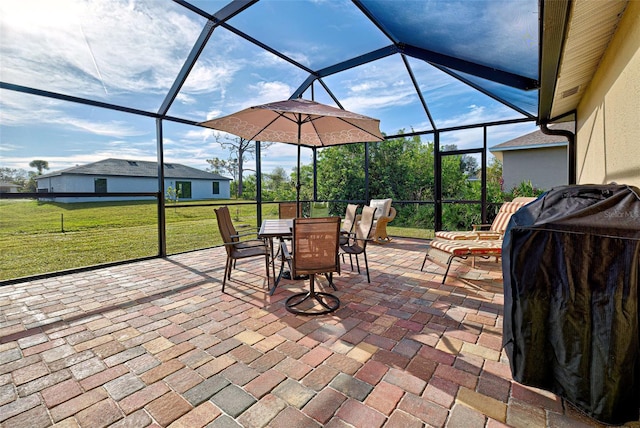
pixel 366 264
pixel 329 277
pixel 358 264
pixel 232 264
pixel 425 257
pixel 448 267
pixel 266 261
pixel 226 272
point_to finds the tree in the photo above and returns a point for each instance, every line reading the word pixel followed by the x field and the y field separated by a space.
pixel 240 150
pixel 16 176
pixel 39 165
pixel 278 186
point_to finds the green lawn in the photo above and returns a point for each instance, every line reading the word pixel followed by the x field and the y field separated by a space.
pixel 41 237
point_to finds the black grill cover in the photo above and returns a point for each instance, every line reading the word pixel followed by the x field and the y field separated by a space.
pixel 571 265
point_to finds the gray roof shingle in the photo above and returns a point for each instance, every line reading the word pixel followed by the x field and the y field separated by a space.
pixel 136 168
pixel 536 139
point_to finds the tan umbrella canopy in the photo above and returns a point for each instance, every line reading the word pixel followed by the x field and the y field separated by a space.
pixel 301 122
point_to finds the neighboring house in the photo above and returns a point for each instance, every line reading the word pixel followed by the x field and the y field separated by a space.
pixel 7 187
pixel 121 175
pixel 536 157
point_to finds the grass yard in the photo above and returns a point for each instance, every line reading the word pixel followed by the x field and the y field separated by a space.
pixel 41 237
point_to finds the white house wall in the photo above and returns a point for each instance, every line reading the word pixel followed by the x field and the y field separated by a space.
pixel 200 189
pixel 545 168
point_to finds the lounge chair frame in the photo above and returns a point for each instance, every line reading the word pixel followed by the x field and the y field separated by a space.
pixel 463 249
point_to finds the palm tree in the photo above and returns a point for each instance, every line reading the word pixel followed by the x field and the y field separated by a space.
pixel 39 165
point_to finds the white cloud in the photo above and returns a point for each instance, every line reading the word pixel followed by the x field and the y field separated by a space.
pixel 267 92
pixel 21 110
pixel 95 48
pixel 185 99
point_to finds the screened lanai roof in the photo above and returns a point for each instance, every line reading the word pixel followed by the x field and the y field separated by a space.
pixel 129 53
pixel 415 65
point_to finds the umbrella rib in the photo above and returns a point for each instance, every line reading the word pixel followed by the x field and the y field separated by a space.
pixel 363 130
pixel 263 128
pixel 311 120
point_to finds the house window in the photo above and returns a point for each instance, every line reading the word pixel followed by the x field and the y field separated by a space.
pixel 100 185
pixel 216 187
pixel 184 189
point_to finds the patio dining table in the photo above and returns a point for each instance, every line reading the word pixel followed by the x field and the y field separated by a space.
pixel 275 228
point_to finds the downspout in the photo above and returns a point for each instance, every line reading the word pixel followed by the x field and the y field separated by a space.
pixel 571 149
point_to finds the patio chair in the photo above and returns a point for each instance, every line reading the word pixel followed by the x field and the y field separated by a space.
pixel 288 210
pixel 348 223
pixel 464 249
pixel 314 250
pixel 236 247
pixel 385 213
pixel 496 229
pixel 357 242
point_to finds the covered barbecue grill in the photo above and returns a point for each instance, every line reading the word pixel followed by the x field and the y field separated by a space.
pixel 571 266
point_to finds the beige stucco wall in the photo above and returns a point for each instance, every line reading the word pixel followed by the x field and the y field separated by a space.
pixel 608 140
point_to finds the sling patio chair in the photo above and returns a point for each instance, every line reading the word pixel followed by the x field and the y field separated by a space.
pixel 348 223
pixel 288 210
pixel 314 250
pixel 495 230
pixel 357 242
pixel 464 249
pixel 236 247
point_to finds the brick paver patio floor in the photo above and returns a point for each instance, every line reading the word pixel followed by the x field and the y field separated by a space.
pixel 156 343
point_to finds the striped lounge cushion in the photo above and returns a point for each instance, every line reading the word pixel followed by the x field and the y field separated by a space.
pixel 443 234
pixel 498 227
pixel 504 215
pixel 469 248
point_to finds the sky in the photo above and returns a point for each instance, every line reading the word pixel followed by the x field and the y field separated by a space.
pixel 129 52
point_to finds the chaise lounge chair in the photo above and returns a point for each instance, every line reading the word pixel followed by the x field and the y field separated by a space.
pixel 464 249
pixel 496 229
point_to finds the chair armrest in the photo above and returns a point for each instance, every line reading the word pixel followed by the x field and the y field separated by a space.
pixel 239 235
pixel 384 219
pixel 287 256
pixel 477 227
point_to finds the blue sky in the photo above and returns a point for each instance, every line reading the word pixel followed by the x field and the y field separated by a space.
pixel 129 53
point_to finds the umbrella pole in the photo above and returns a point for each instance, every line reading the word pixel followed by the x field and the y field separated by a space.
pixel 298 213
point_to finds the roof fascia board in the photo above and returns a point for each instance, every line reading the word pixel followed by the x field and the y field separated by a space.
pixel 553 29
pixel 495 75
pixel 527 147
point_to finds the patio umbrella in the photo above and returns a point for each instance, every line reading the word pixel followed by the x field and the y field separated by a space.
pixel 301 122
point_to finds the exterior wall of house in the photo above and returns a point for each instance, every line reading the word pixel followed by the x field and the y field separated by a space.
pixel 608 140
pixel 200 189
pixel 546 168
